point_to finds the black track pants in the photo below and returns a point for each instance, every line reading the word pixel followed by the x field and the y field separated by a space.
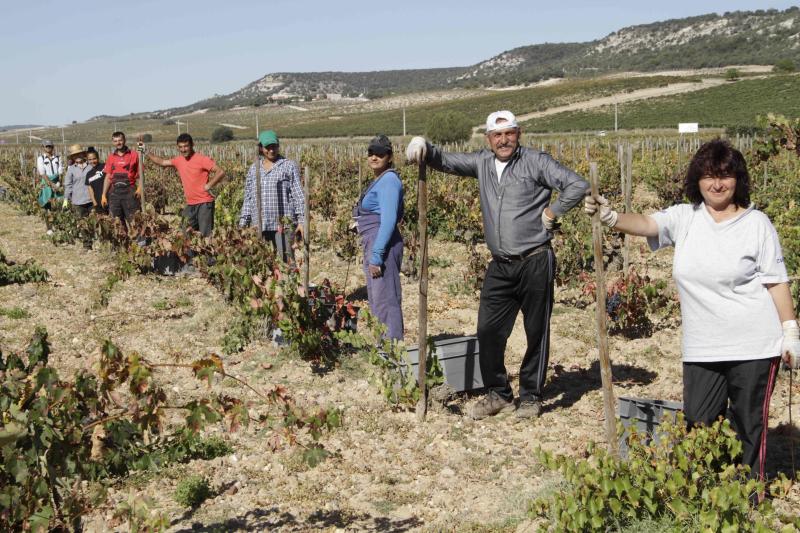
pixel 525 285
pixel 739 390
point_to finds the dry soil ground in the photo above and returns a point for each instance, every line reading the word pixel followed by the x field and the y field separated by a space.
pixel 387 472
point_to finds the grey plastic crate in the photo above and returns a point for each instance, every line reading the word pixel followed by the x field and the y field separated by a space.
pixel 645 415
pixel 459 359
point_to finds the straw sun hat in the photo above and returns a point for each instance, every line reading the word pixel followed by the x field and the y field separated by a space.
pixel 76 149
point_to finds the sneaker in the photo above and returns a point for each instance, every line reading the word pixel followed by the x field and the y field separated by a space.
pixel 490 405
pixel 529 409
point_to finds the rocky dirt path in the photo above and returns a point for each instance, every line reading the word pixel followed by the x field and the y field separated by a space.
pixel 625 97
pixel 387 472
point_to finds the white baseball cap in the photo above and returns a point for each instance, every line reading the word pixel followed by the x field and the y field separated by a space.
pixel 507 117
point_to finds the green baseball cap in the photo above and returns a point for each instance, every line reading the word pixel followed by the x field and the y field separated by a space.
pixel 267 137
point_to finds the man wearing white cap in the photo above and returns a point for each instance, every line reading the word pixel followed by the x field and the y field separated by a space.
pixel 516 186
pixel 49 168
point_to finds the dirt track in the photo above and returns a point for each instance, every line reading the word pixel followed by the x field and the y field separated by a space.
pixel 624 97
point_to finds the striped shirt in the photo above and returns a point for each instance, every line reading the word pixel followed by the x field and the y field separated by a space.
pixel 281 196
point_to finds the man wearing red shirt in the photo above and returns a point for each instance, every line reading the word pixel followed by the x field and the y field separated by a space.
pixel 122 174
pixel 199 173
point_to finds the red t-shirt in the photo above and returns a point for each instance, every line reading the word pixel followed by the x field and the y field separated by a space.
pixel 194 175
pixel 120 166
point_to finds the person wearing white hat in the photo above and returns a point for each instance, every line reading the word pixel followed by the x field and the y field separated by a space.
pixel 516 185
pixel 49 168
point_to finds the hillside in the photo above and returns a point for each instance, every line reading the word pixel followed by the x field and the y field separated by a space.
pixel 712 40
pixel 653 101
pixel 741 37
pixel 728 105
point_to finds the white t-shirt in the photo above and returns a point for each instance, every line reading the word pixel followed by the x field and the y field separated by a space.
pixel 499 166
pixel 720 270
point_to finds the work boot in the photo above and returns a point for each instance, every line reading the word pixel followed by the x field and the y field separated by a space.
pixel 529 409
pixel 490 405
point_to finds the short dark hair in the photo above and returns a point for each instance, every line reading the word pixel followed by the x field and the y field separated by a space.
pixel 117 134
pixel 718 158
pixel 92 150
pixel 185 138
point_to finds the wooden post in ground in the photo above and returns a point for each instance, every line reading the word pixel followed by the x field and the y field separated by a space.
pixel 627 190
pixel 602 328
pixel 307 232
pixel 141 169
pixel 422 207
pixel 258 190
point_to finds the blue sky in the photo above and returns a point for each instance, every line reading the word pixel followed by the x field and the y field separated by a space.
pixel 64 61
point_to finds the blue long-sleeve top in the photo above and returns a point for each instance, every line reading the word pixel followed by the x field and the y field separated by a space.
pixel 385 198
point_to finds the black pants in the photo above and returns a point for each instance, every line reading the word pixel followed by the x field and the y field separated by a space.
pixel 739 390
pixel 200 217
pixel 122 203
pixel 508 287
pixel 82 211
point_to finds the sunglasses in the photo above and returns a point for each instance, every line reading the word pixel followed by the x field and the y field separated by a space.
pixel 370 153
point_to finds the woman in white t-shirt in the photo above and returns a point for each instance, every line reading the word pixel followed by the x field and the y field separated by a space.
pixel 737 312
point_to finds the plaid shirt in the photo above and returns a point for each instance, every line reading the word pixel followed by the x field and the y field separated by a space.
pixel 281 196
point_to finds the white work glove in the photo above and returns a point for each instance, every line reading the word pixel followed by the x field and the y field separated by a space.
pixel 790 347
pixel 416 150
pixel 549 224
pixel 607 215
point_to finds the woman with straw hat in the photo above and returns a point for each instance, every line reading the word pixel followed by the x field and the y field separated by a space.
pixel 76 191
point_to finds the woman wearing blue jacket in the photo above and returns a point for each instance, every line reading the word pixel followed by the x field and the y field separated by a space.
pixel 378 212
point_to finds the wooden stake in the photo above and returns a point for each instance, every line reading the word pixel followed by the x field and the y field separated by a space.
pixel 422 207
pixel 307 232
pixel 627 189
pixel 141 170
pixel 258 190
pixel 602 328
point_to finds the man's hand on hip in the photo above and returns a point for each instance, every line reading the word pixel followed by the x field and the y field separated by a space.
pixel 549 220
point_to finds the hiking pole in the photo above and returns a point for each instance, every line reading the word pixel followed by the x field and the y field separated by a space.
pixel 602 328
pixel 422 207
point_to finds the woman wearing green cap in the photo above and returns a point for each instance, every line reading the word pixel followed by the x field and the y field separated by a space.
pixel 377 214
pixel 281 205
